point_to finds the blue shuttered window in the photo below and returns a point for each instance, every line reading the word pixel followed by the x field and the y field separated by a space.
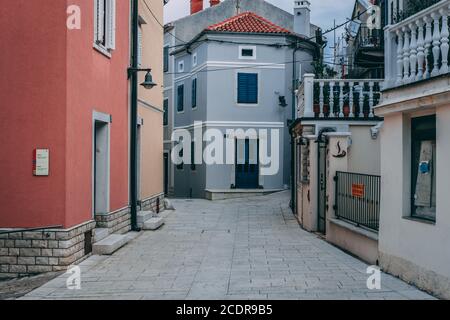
pixel 248 88
pixel 180 98
pixel 194 93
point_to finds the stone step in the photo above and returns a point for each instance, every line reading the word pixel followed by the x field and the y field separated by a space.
pixel 153 224
pixel 100 234
pixel 143 216
pixel 110 244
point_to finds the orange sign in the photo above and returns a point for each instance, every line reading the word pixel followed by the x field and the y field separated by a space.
pixel 358 190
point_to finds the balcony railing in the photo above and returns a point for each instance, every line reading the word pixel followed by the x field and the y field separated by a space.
pixel 338 98
pixel 417 48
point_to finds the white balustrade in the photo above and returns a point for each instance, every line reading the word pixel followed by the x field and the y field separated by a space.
pixel 420 46
pixel 357 98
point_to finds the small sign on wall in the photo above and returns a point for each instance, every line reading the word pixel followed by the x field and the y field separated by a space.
pixel 41 160
pixel 358 190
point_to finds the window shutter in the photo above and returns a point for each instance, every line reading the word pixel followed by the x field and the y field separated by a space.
pixel 180 102
pixel 242 88
pixel 247 88
pixel 252 88
pixel 100 18
pixel 194 93
pixel 111 24
pixel 96 20
pixel 166 59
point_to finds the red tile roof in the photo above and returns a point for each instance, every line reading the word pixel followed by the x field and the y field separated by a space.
pixel 248 22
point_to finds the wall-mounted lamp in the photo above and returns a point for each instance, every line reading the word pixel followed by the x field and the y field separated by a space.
pixel 282 101
pixel 148 82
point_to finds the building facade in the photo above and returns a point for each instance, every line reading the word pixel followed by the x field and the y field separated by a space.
pixel 217 42
pixel 415 149
pixel 151 108
pixel 66 183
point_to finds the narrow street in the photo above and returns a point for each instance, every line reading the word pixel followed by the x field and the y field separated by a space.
pixel 250 248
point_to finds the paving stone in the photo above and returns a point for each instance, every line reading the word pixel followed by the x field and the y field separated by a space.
pixel 240 249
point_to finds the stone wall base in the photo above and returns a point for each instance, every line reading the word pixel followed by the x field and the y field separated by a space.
pixel 34 252
pixel 152 204
pixel 424 279
pixel 118 221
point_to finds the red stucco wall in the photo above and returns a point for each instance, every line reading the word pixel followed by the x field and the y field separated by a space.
pixel 96 82
pixel 51 80
pixel 32 111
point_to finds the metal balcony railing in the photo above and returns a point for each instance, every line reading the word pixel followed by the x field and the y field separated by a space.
pixel 417 48
pixel 358 199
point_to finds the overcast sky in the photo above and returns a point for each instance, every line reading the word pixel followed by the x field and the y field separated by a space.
pixel 322 11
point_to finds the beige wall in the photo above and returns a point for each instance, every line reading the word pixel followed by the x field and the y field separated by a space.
pixel 364 153
pixel 151 110
pixel 416 251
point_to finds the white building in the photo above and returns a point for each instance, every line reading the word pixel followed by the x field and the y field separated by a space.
pixel 414 238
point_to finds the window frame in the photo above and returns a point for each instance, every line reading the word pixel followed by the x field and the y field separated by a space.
pixel 194 104
pixel 108 28
pixel 258 86
pixel 180 68
pixel 242 48
pixel 416 139
pixel 178 98
pixel 166 59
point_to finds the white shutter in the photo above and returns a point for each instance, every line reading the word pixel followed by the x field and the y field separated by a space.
pixel 100 21
pixel 96 19
pixel 253 151
pixel 240 151
pixel 111 24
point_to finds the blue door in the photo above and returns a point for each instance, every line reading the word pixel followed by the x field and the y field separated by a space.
pixel 247 164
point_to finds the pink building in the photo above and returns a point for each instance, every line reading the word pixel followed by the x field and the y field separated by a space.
pixel 66 91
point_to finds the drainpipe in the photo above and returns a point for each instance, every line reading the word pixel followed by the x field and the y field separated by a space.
pixel 293 182
pixel 133 124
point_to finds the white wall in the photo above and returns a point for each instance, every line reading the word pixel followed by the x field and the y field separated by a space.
pixel 416 251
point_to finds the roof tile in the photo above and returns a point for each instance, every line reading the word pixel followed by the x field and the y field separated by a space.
pixel 248 22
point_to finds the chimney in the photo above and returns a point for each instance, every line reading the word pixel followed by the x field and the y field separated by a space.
pixel 196 6
pixel 302 20
pixel 213 3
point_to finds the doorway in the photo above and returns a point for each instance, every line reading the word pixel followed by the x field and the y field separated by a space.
pixel 247 164
pixel 101 172
pixel 322 146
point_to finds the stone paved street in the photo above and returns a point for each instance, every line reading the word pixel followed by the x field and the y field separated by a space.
pixel 235 249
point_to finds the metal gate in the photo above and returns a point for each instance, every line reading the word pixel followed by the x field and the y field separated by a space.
pixel 358 199
pixel 322 186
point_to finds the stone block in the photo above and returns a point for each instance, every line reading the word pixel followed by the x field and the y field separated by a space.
pixel 40 244
pixel 110 244
pixel 26 260
pixel 18 268
pixel 13 251
pixel 23 244
pixel 33 235
pixel 39 269
pixel 47 252
pixel 42 260
pixel 30 252
pixel 8 260
pixel 153 224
